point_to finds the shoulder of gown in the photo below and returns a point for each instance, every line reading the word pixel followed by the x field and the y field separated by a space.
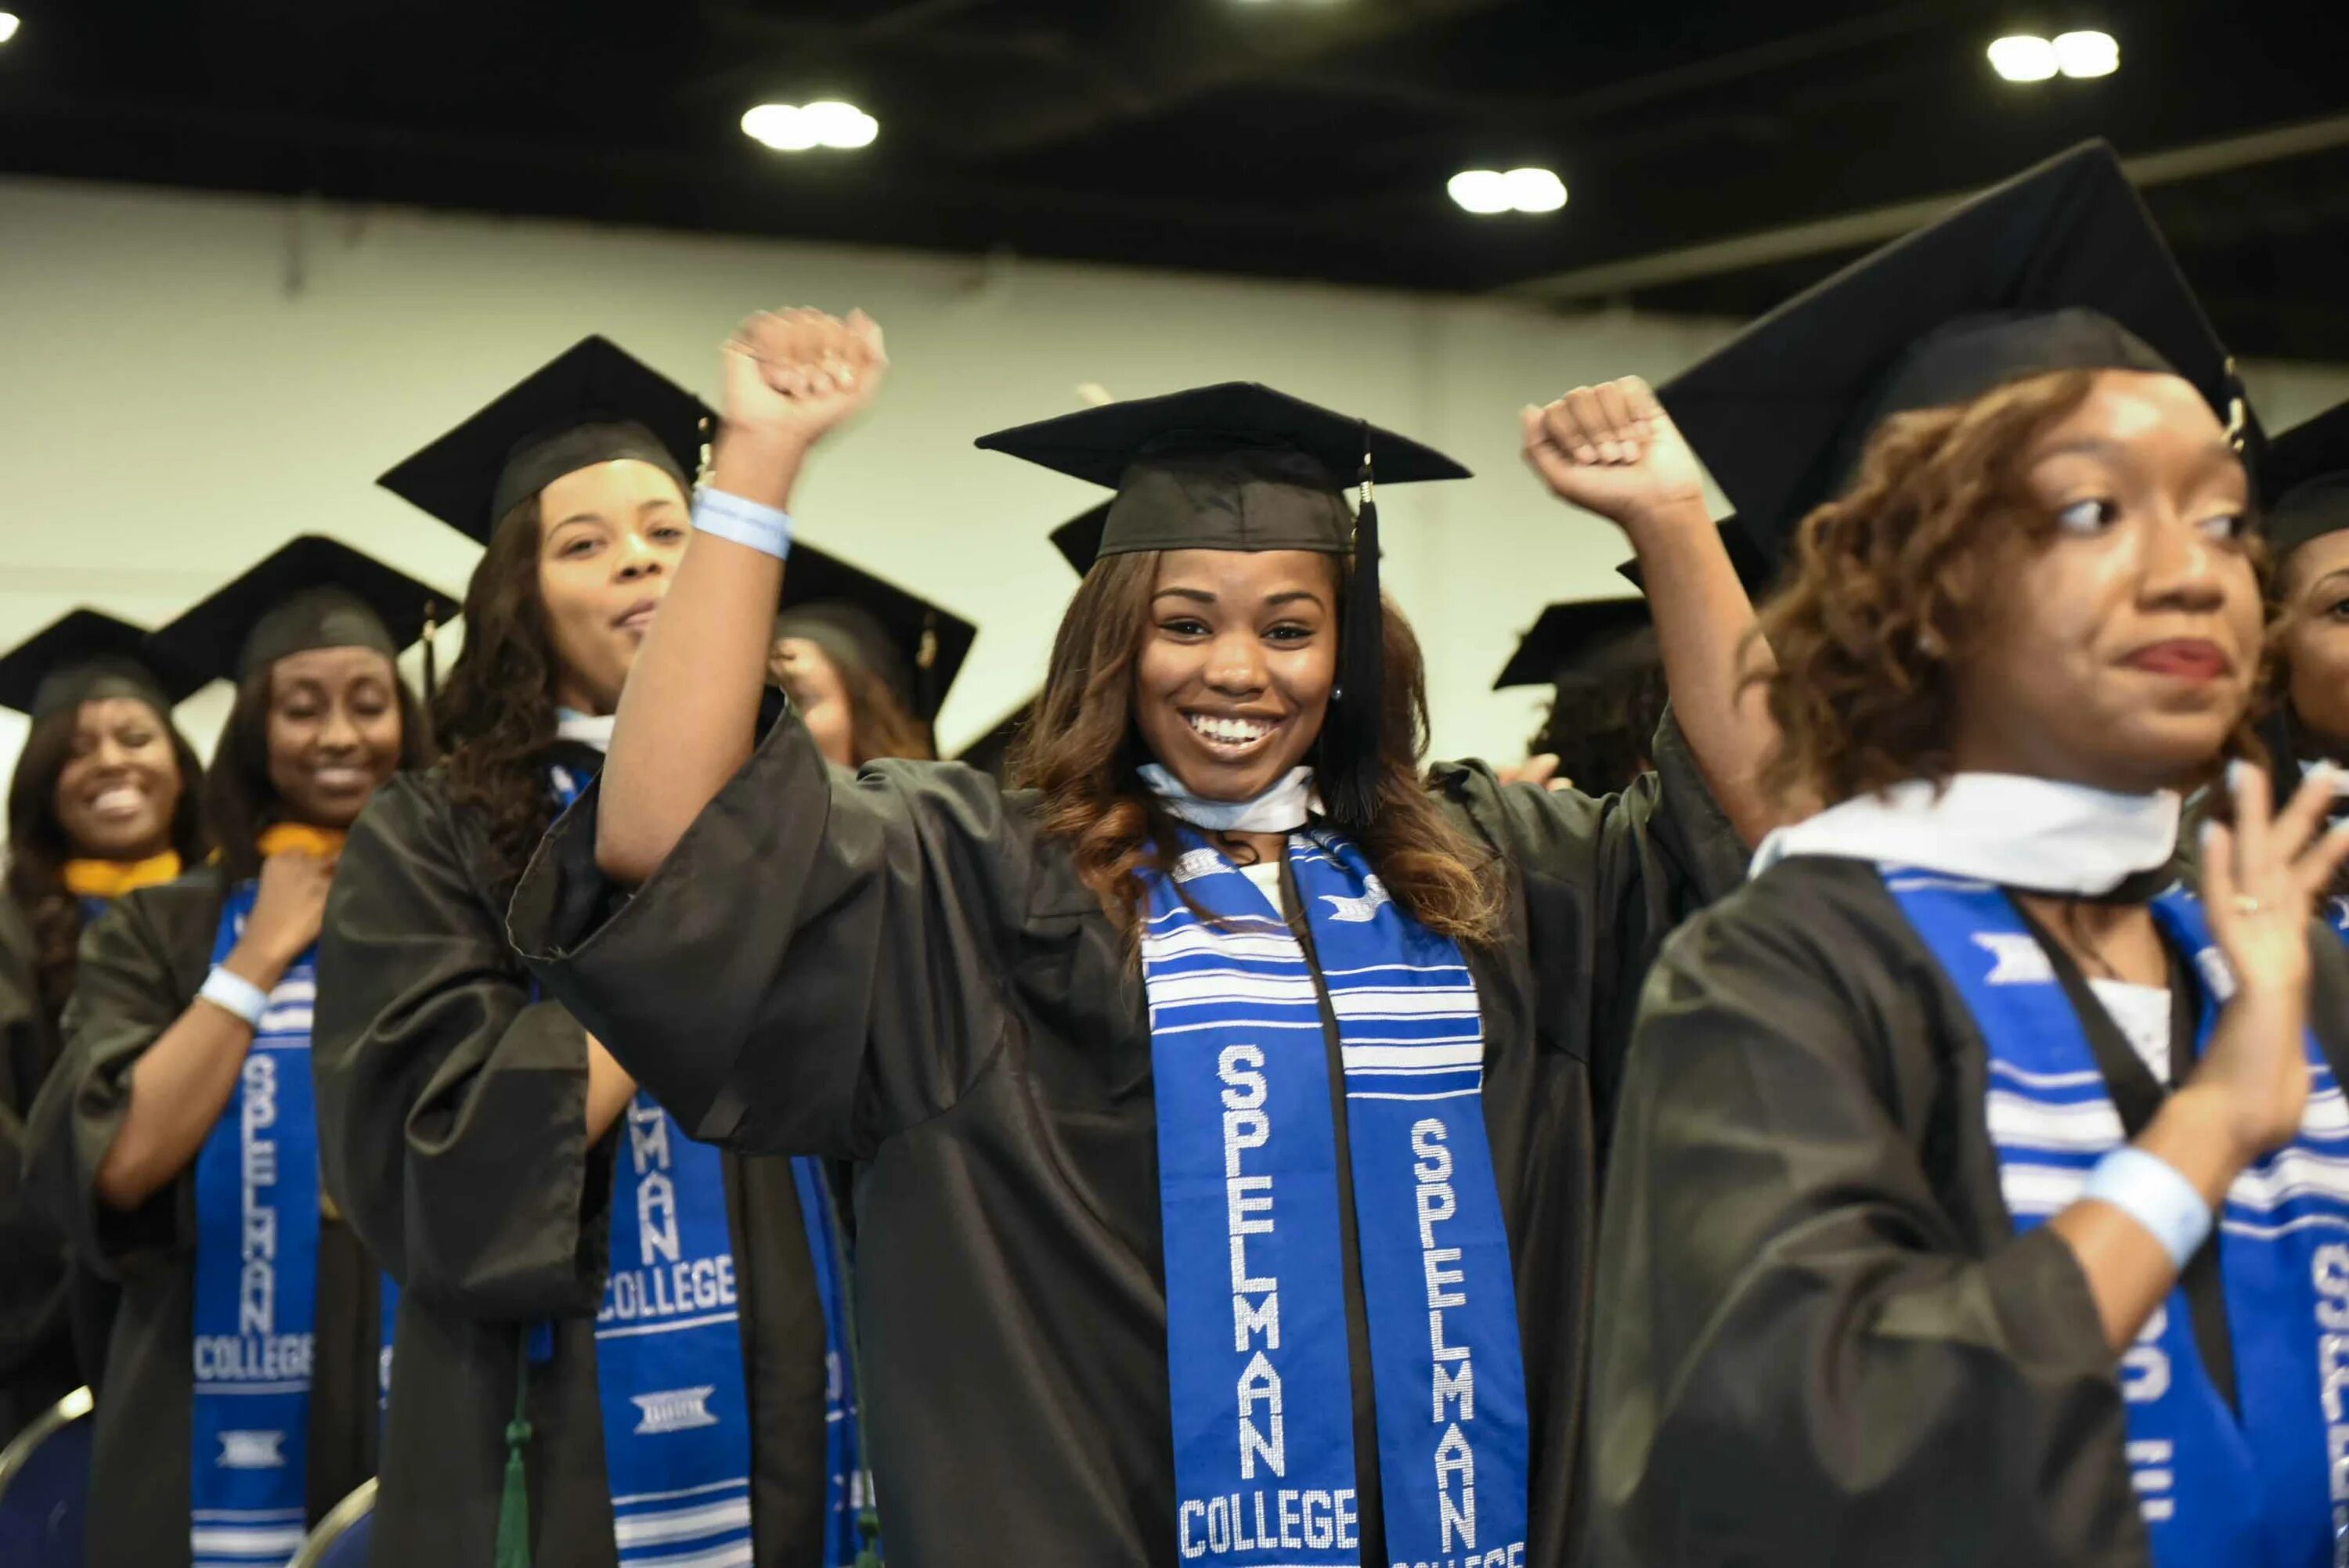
pixel 442 1077
pixel 1811 1299
pixel 141 965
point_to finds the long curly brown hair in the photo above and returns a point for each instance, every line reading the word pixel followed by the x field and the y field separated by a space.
pixel 1891 579
pixel 1081 749
pixel 495 714
pixel 39 846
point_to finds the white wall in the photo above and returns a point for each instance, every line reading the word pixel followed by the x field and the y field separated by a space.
pixel 186 381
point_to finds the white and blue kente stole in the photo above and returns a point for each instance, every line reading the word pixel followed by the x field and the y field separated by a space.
pixel 668 1355
pixel 256 1286
pixel 842 1443
pixel 1248 1193
pixel 2216 1488
pixel 668 1348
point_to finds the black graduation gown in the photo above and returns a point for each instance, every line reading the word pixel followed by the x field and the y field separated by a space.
pixel 37 1365
pixel 1826 1343
pixel 142 963
pixel 453 1112
pixel 897 968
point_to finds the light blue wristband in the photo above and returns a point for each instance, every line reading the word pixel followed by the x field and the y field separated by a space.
pixel 235 994
pixel 2149 1190
pixel 743 522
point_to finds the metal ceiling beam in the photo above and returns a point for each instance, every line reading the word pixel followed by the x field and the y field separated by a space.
pixel 1164 56
pixel 1849 230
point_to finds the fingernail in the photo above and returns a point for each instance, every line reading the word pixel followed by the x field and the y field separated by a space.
pixel 2237 771
pixel 2320 772
pixel 2209 826
pixel 1586 454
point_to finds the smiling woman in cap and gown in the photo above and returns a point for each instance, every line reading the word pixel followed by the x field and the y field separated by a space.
pixel 1974 1195
pixel 1182 1079
pixel 616 1346
pixel 175 1143
pixel 104 799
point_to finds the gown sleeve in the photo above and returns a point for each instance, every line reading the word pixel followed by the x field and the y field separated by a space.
pixel 32 1249
pixel 1605 879
pixel 139 965
pixel 453 1106
pixel 1807 1351
pixel 821 962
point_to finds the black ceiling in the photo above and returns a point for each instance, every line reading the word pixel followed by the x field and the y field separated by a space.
pixel 1281 138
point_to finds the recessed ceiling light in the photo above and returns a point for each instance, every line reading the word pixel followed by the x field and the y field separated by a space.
pixel 1481 190
pixel 2022 58
pixel 801 127
pixel 2087 54
pixel 8 25
pixel 1487 192
pixel 1534 190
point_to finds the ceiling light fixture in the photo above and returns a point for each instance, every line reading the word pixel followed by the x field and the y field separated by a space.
pixel 2085 55
pixel 2022 58
pixel 1487 191
pixel 8 25
pixel 802 128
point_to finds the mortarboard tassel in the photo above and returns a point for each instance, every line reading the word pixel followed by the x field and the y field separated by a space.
pixel 1348 776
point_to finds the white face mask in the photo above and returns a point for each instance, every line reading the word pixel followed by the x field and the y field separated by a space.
pixel 2003 828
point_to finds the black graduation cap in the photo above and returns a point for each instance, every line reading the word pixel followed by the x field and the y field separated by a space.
pixel 2305 479
pixel 1754 568
pixel 312 592
pixel 1079 540
pixel 1238 466
pixel 1583 640
pixel 2059 268
pixel 84 655
pixel 591 404
pixel 915 646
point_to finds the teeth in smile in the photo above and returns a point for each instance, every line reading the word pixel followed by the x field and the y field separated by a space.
pixel 1230 731
pixel 110 801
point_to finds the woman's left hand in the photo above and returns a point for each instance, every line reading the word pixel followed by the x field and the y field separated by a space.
pixel 1612 449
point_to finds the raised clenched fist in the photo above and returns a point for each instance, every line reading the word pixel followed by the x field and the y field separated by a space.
pixel 796 374
pixel 1612 449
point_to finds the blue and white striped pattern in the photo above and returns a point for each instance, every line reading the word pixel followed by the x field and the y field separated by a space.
pixel 695 1527
pixel 243 1537
pixel 2215 1485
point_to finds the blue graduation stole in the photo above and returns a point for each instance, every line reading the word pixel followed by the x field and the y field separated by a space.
pixel 1257 1345
pixel 256 1283
pixel 2215 1491
pixel 669 1349
pixel 842 1443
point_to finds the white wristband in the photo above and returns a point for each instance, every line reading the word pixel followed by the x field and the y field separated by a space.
pixel 762 527
pixel 2149 1190
pixel 235 994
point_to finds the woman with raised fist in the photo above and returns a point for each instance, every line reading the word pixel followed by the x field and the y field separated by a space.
pixel 1197 1082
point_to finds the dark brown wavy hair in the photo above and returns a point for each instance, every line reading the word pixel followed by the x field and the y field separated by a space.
pixel 495 713
pixel 1889 587
pixel 1081 749
pixel 239 799
pixel 39 846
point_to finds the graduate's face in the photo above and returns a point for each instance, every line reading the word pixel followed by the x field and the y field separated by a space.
pixel 2315 640
pixel 334 732
pixel 812 680
pixel 120 783
pixel 2121 652
pixel 609 539
pixel 1237 663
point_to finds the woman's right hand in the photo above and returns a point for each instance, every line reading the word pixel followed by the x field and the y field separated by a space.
pixel 2261 881
pixel 287 911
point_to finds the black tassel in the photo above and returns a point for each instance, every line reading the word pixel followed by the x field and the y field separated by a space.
pixel 1348 771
